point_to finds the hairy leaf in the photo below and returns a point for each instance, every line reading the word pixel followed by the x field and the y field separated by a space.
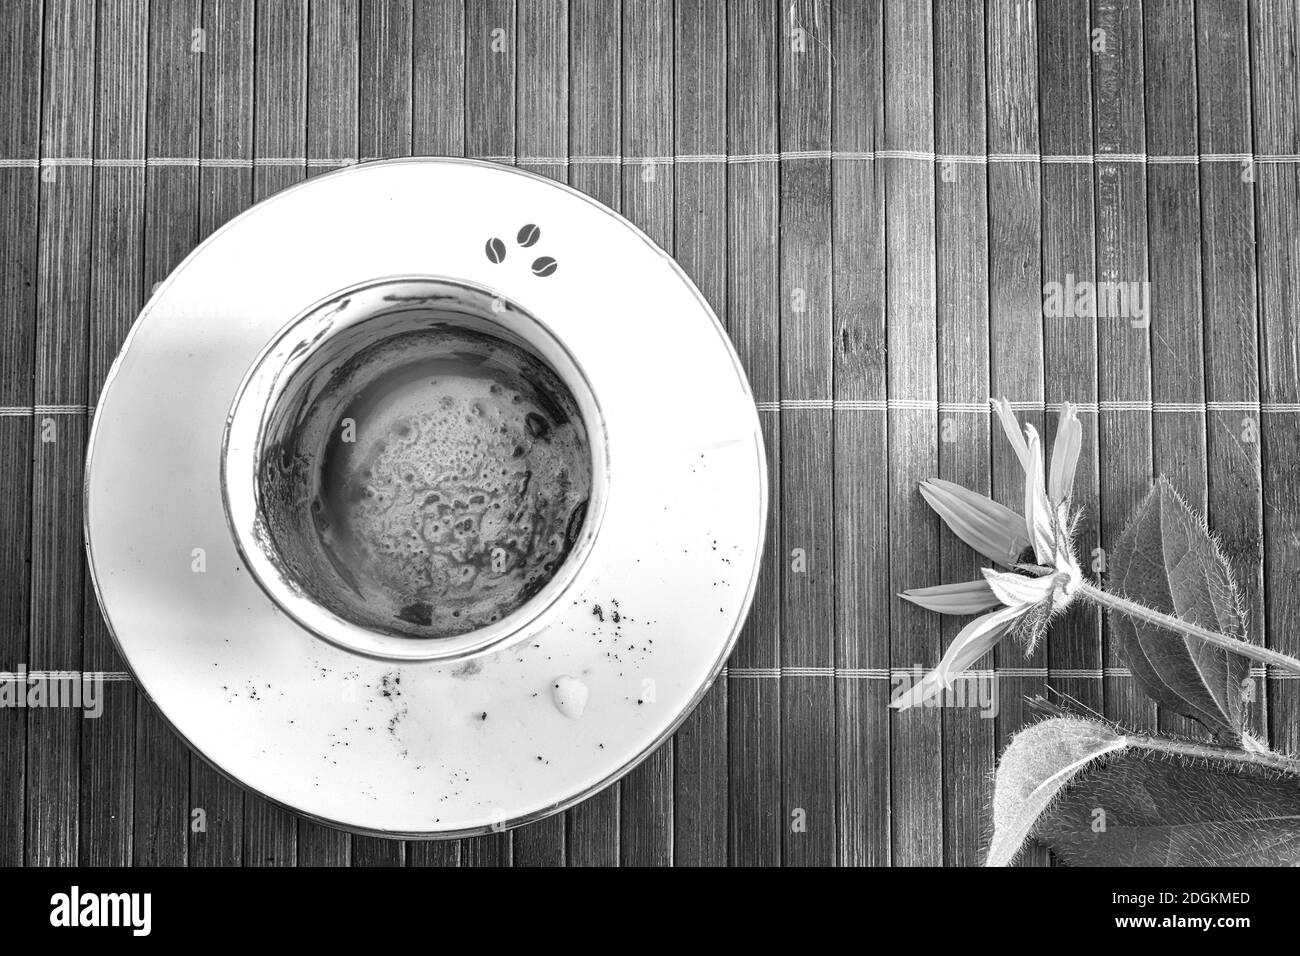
pixel 1166 560
pixel 1198 805
pixel 1040 761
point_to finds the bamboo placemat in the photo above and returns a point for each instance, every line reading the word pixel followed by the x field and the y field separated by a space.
pixel 873 195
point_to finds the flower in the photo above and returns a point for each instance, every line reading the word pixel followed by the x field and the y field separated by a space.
pixel 1037 548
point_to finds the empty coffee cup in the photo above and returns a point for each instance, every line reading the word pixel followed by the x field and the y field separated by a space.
pixel 415 469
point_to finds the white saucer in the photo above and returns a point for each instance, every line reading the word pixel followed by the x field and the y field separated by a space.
pixel 430 749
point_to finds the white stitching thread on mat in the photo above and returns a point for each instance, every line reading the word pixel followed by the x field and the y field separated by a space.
pixel 12 411
pixel 756 673
pixel 838 155
pixel 883 673
pixel 880 405
pixel 9 677
pixel 982 408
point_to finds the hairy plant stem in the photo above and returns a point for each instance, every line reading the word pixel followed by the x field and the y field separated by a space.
pixel 1140 612
pixel 1188 748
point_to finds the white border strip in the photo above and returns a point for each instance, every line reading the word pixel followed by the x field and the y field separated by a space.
pixel 883 673
pixel 756 673
pixel 10 677
pixel 881 405
pixel 982 408
pixel 838 155
pixel 26 411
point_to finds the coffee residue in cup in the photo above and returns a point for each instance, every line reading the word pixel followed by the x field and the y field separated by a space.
pixel 459 489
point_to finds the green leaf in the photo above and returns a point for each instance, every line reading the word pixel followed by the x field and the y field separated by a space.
pixel 1041 761
pixel 1099 797
pixel 1166 560
pixel 1171 803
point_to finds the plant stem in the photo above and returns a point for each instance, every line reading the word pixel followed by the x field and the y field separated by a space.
pixel 1149 615
pixel 1187 748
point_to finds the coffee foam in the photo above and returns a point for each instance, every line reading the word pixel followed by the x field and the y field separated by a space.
pixel 460 494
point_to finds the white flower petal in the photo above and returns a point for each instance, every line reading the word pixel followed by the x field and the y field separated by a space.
pixel 968 597
pixel 1019 590
pixel 919 693
pixel 1012 428
pixel 1038 513
pixel 993 530
pixel 1065 454
pixel 974 641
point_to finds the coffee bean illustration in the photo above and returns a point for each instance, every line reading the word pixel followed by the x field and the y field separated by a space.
pixel 496 250
pixel 529 235
pixel 544 266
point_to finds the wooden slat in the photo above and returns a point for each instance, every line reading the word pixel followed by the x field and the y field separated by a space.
pixel 438 128
pixel 646 813
pixel 962 296
pixel 216 834
pixel 386 124
pixel 386 72
pixel 542 86
pixel 333 87
pixel 226 114
pixel 1070 342
pixel 162 761
pixel 1123 351
pixel 438 88
pixel 377 851
pixel 916 742
pixel 753 307
pixel 280 96
pixel 62 333
pixel 333 83
pixel 700 231
pixel 490 79
pixel 1178 442
pixel 595 91
pixel 20 139
pixel 489 133
pixel 542 132
pixel 1229 303
pixel 116 295
pixel 862 595
pixel 807 456
pixel 1015 294
pixel 280 132
pixel 1275 42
